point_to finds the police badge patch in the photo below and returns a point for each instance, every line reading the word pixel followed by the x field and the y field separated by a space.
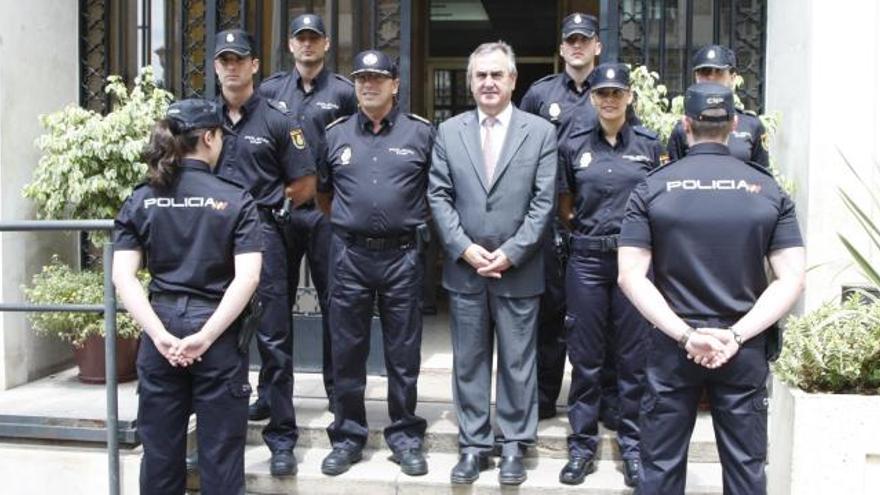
pixel 298 139
pixel 555 110
pixel 586 158
pixel 345 157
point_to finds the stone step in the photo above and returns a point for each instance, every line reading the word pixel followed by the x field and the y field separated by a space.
pixel 442 433
pixel 376 475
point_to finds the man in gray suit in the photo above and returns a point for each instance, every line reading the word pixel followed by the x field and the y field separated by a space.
pixel 491 192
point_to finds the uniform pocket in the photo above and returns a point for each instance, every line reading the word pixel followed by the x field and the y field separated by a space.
pixel 760 404
pixel 239 390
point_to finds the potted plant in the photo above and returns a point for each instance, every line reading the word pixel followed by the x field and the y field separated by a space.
pixel 57 283
pixel 89 166
pixel 826 389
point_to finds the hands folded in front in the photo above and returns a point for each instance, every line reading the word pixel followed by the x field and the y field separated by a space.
pixel 182 352
pixel 487 264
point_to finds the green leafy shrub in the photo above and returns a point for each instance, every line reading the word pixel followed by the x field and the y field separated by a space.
pixel 91 162
pixel 57 283
pixel 862 215
pixel 835 348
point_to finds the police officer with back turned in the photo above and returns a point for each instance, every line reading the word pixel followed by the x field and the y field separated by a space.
pixel 706 224
pixel 269 156
pixel 374 177
pixel 199 236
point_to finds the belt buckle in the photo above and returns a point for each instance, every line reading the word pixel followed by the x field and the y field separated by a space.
pixel 373 243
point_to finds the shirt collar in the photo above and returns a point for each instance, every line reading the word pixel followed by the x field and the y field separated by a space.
pixel 709 149
pixel 623 136
pixel 503 117
pixel 317 82
pixel 247 108
pixel 572 85
pixel 366 124
pixel 195 164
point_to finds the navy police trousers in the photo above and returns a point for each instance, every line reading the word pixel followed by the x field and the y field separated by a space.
pixel 215 388
pixel 551 331
pixel 738 396
pixel 595 303
pixel 357 276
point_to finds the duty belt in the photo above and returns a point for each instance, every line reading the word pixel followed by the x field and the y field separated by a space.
pixel 381 243
pixel 602 244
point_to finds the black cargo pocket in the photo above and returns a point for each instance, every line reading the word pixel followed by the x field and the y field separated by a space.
pixel 239 390
pixel 568 322
pixel 760 404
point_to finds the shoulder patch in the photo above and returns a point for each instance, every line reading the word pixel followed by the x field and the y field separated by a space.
pixel 343 79
pixel 644 131
pixel 418 118
pixel 336 122
pixel 277 105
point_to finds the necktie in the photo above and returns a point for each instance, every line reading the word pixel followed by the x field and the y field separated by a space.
pixel 488 148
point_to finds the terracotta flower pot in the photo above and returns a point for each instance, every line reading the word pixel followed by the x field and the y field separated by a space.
pixel 90 359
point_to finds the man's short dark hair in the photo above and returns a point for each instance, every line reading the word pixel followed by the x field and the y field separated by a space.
pixel 711 130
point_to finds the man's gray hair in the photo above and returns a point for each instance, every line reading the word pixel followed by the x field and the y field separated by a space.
pixel 486 48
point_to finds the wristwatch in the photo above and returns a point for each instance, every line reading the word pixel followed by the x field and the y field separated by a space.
pixel 736 337
pixel 683 340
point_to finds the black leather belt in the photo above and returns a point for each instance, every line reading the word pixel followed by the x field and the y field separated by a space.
pixel 602 244
pixel 381 243
pixel 182 299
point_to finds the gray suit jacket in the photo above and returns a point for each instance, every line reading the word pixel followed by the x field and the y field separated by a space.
pixel 511 213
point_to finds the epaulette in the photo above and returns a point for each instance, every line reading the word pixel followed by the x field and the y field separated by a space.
pixel 277 75
pixel 662 167
pixel 580 128
pixel 544 79
pixel 140 185
pixel 757 166
pixel 230 181
pixel 337 121
pixel 419 118
pixel 644 131
pixel 343 79
pixel 749 112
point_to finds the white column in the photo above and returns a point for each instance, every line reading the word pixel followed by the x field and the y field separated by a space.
pixel 823 76
pixel 38 74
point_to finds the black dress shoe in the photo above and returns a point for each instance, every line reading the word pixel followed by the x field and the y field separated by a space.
pixel 631 470
pixel 577 468
pixel 412 462
pixel 468 468
pixel 512 470
pixel 258 411
pixel 339 461
pixel 283 463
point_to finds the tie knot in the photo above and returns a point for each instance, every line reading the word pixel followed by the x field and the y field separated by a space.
pixel 489 122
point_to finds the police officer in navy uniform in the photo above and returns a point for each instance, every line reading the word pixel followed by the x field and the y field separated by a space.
pixel 705 225
pixel 562 99
pixel 373 182
pixel 314 97
pixel 200 238
pixel 269 156
pixel 599 167
pixel 748 141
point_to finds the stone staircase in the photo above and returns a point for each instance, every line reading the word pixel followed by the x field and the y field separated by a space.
pixel 377 475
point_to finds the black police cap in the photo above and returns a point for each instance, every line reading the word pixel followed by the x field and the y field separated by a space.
pixel 374 62
pixel 578 23
pixel 701 97
pixel 610 75
pixel 714 56
pixel 307 22
pixel 194 113
pixel 233 41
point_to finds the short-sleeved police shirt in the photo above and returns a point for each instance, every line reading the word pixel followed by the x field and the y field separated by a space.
pixel 379 181
pixel 557 99
pixel 265 152
pixel 748 141
pixel 601 176
pixel 191 232
pixel 710 220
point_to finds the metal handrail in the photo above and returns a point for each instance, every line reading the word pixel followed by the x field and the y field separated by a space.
pixel 108 308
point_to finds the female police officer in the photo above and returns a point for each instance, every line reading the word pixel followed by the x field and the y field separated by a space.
pixel 201 240
pixel 599 167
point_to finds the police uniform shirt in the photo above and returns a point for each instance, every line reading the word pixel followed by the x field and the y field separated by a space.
pixel 190 233
pixel 557 99
pixel 601 176
pixel 379 181
pixel 332 96
pixel 265 152
pixel 748 141
pixel 710 220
